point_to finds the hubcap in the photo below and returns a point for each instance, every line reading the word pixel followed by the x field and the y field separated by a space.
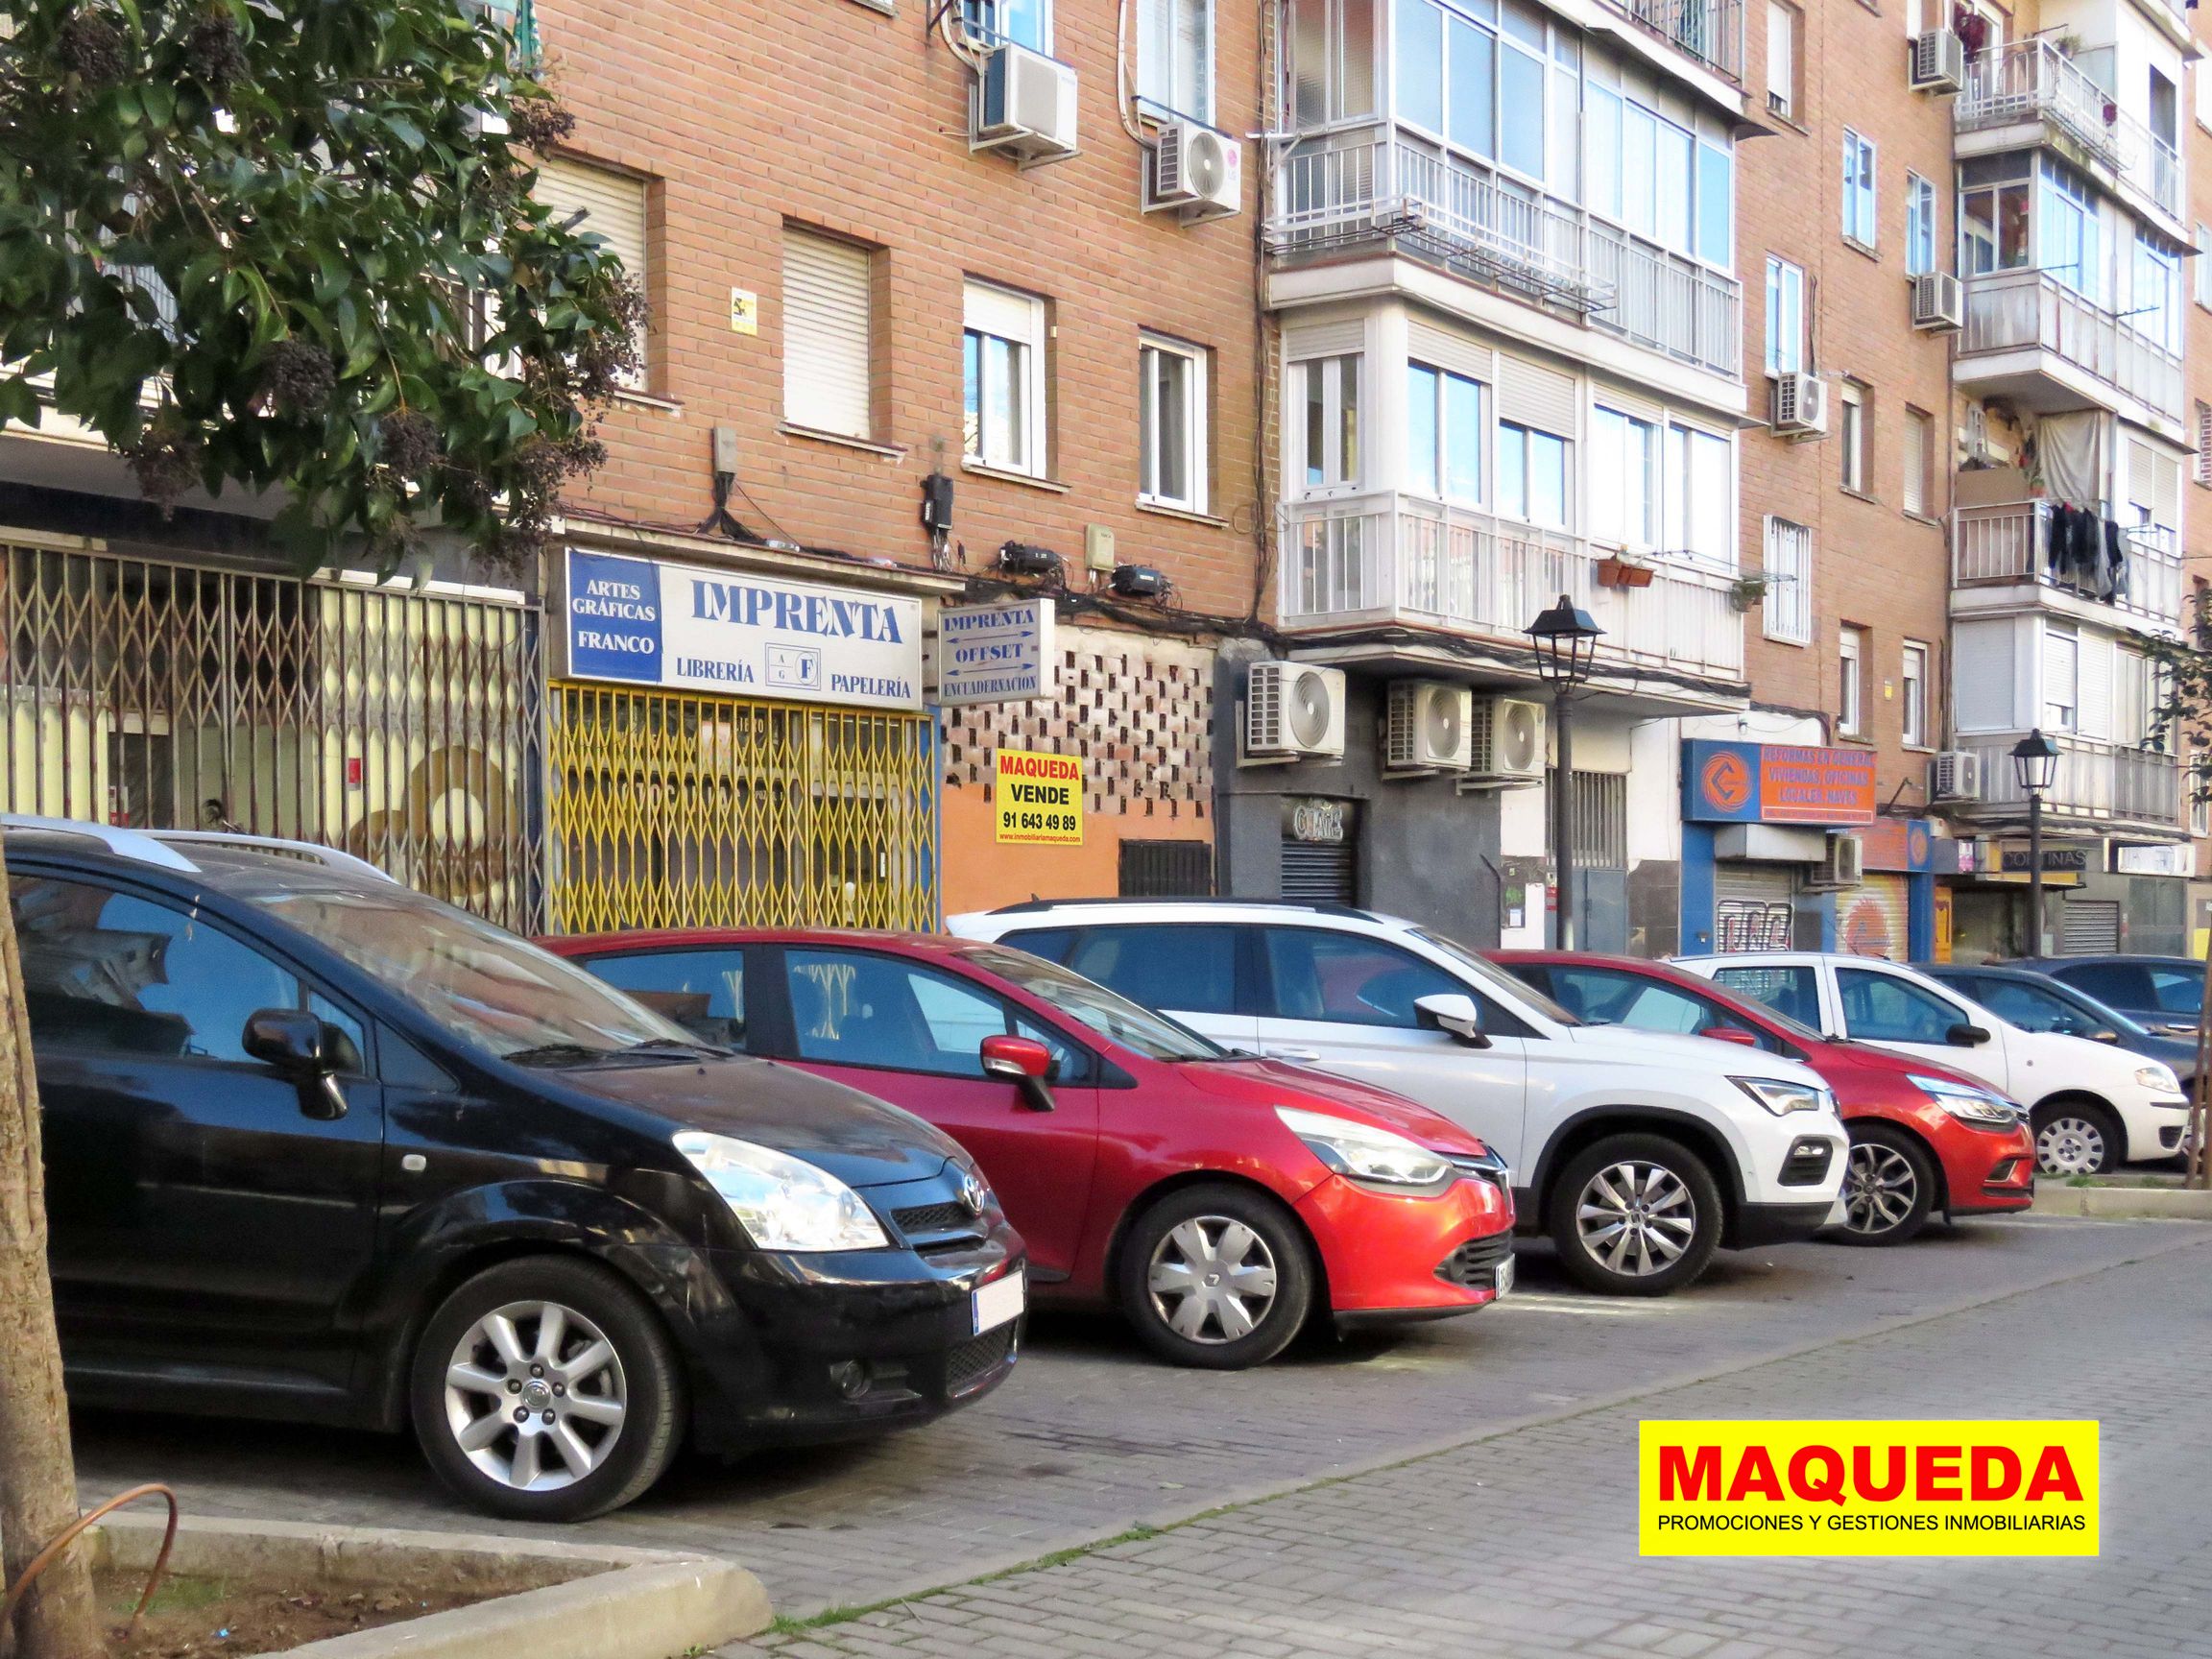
pixel 1879 1188
pixel 1636 1217
pixel 1212 1278
pixel 535 1396
pixel 2070 1146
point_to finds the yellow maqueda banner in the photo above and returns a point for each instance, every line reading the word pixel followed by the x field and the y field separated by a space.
pixel 1840 1487
pixel 1039 798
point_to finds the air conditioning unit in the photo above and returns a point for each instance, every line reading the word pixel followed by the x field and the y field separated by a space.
pixel 1938 302
pixel 1022 104
pixel 1938 62
pixel 1196 171
pixel 1842 865
pixel 1801 405
pixel 1955 774
pixel 1294 709
pixel 1431 727
pixel 1507 738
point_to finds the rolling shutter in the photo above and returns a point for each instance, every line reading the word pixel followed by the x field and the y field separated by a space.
pixel 1753 907
pixel 825 334
pixel 1535 396
pixel 1319 872
pixel 1871 919
pixel 1445 350
pixel 2088 926
pixel 614 207
pixel 2094 717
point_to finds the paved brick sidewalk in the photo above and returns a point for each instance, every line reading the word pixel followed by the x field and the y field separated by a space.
pixel 1523 1545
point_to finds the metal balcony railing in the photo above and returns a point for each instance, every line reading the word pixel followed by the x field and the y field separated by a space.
pixel 1372 184
pixel 2034 81
pixel 2011 542
pixel 2012 310
pixel 1390 558
pixel 1710 31
pixel 2097 781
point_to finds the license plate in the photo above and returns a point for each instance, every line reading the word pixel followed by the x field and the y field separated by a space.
pixel 997 1302
pixel 1502 1278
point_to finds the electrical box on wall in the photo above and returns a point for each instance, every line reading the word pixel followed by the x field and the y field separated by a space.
pixel 1097 548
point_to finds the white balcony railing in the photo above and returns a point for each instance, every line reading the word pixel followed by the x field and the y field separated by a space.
pixel 1397 559
pixel 1710 31
pixel 1373 183
pixel 2097 781
pixel 2011 542
pixel 2034 81
pixel 2015 310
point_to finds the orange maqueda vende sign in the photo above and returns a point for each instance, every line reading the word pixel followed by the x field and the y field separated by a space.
pixel 1839 1487
pixel 1039 798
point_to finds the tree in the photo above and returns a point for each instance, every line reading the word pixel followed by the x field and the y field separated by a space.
pixel 2184 714
pixel 288 247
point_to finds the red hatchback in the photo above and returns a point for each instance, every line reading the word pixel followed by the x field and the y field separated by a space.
pixel 1216 1200
pixel 1923 1139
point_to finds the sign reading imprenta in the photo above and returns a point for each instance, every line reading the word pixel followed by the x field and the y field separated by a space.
pixel 1039 798
pixel 996 653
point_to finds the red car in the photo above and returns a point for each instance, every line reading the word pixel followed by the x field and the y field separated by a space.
pixel 1216 1200
pixel 1923 1138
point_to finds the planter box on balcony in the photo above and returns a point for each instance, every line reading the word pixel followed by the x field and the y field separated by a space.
pixel 1619 573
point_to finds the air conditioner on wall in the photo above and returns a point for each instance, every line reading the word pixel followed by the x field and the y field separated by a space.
pixel 1955 774
pixel 1800 405
pixel 1293 710
pixel 1023 103
pixel 1429 728
pixel 1938 62
pixel 1507 738
pixel 1842 865
pixel 1938 302
pixel 1196 171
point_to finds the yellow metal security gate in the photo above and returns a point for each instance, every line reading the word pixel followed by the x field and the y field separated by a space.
pixel 676 810
pixel 403 726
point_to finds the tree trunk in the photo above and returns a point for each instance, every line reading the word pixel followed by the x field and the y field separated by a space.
pixel 58 1620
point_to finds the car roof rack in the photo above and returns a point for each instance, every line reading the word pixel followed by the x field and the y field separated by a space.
pixel 1317 906
pixel 168 848
pixel 277 847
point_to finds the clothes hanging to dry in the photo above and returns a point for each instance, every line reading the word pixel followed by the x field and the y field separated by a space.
pixel 2115 584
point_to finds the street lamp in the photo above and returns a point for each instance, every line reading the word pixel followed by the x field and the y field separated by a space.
pixel 1566 643
pixel 2035 766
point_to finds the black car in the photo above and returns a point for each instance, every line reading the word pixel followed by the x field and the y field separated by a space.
pixel 2045 1002
pixel 2164 992
pixel 321 1148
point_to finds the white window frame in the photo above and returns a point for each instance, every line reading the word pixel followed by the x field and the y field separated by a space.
pixel 1850 681
pixel 1339 476
pixel 1782 31
pixel 1448 437
pixel 1851 434
pixel 2200 805
pixel 1862 193
pixel 1499 471
pixel 1681 444
pixel 1923 247
pixel 2200 467
pixel 1197 411
pixel 1156 87
pixel 1616 438
pixel 1786 606
pixel 1785 316
pixel 814 325
pixel 991 314
pixel 2061 716
pixel 1912 683
pixel 2200 268
pixel 1919 459
pixel 982 21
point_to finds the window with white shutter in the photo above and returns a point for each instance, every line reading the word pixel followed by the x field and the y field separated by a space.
pixel 2204 470
pixel 613 207
pixel 1175 56
pixel 1919 442
pixel 828 334
pixel 1781 59
pixel 1003 373
pixel 1787 603
pixel 2061 679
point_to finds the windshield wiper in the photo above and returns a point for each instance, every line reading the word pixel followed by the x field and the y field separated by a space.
pixel 558 1054
pixel 679 1048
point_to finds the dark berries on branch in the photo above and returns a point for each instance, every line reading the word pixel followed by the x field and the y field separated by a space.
pixel 92 48
pixel 407 442
pixel 299 377
pixel 539 122
pixel 214 55
pixel 165 460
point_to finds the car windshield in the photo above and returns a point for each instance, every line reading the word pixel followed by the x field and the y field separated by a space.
pixel 498 994
pixel 1496 980
pixel 1115 1018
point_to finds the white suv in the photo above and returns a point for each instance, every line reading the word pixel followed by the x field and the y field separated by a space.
pixel 2091 1104
pixel 1640 1153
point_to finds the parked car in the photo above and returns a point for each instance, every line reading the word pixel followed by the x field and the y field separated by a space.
pixel 1640 1154
pixel 2043 1002
pixel 1217 1201
pixel 2164 992
pixel 1924 1138
pixel 319 1147
pixel 2091 1106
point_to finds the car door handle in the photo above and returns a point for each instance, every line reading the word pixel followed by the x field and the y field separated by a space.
pixel 1299 1054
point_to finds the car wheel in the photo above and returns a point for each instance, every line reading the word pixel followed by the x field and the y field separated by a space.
pixel 544 1389
pixel 1216 1277
pixel 2074 1138
pixel 1889 1186
pixel 1635 1216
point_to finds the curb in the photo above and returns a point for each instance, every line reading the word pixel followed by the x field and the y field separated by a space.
pixel 610 1602
pixel 2135 1203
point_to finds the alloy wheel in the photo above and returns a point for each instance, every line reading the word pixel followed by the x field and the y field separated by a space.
pixel 1212 1278
pixel 1879 1187
pixel 2070 1145
pixel 1636 1218
pixel 534 1395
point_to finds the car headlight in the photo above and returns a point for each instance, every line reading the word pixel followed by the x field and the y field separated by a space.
pixel 1488 1167
pixel 1966 1104
pixel 782 1202
pixel 1363 1152
pixel 2158 1077
pixel 1782 1098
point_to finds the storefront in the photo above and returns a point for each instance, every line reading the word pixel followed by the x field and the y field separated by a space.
pixel 729 746
pixel 1896 889
pixel 1987 884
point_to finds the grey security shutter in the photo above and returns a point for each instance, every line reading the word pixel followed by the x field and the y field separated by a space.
pixel 1319 872
pixel 2088 926
pixel 1167 869
pixel 1754 906
pixel 827 336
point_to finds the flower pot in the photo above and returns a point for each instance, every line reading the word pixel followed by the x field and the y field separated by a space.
pixel 1619 573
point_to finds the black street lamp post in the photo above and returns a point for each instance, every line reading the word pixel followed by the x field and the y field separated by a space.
pixel 1566 643
pixel 2035 768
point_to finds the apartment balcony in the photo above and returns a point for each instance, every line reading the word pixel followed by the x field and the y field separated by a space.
pixel 1372 185
pixel 1392 560
pixel 2007 546
pixel 2100 787
pixel 1710 31
pixel 2030 338
pixel 2033 84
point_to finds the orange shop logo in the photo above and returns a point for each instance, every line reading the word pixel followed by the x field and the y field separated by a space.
pixel 1725 781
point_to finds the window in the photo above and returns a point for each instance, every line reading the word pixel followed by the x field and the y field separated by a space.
pixel 612 206
pixel 1346 979
pixel 1444 434
pixel 113 973
pixel 1993 214
pixel 1919 226
pixel 1171 421
pixel 828 334
pixel 1882 1008
pixel 1175 56
pixel 2202 73
pixel 1331 52
pixel 1532 475
pixel 2200 266
pixel 703 990
pixel 1919 459
pixel 1787 604
pixel 1851 435
pixel 1782 59
pixel 1004 375
pixel 1658 180
pixel 2193 788
pixel 2068 237
pixel 857 1008
pixel 1790 990
pixel 2155 308
pixel 1624 450
pixel 1785 317
pixel 1700 510
pixel 2061 678
pixel 1858 217
pixel 1188 969
pixel 2202 471
pixel 1850 681
pixel 1609 996
pixel 1328 390
pixel 1716 204
pixel 1456 71
pixel 1024 22
pixel 2030 1007
pixel 2177 991
pixel 1913 676
pixel 2121 985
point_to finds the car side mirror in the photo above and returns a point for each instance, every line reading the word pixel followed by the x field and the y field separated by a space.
pixel 1023 1061
pixel 1966 1036
pixel 296 1045
pixel 1453 1014
pixel 2106 1035
pixel 1735 1034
